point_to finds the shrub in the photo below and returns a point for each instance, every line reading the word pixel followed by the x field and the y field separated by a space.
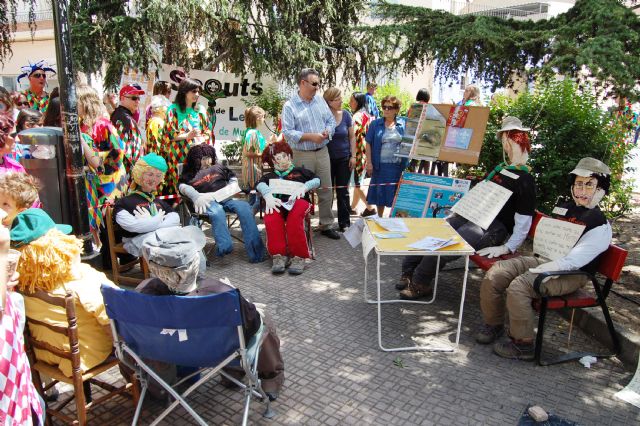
pixel 383 90
pixel 567 126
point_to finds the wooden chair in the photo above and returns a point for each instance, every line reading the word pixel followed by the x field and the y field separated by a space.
pixel 116 248
pixel 610 267
pixel 81 382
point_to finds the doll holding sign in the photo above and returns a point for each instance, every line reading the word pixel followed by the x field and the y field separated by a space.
pixel 508 285
pixel 285 191
pixel 200 180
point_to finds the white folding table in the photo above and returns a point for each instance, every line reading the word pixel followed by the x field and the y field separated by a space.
pixel 418 229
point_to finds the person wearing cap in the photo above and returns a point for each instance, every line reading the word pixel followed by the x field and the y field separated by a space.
pixel 123 119
pixel 50 261
pixel 187 124
pixel 150 227
pixel 36 95
pixel 508 285
pixel 513 219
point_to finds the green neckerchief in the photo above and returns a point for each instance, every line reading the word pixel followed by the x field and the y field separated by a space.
pixel 191 115
pixel 286 172
pixel 149 197
pixel 504 166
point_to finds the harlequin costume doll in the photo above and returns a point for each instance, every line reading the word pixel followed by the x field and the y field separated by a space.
pixel 285 227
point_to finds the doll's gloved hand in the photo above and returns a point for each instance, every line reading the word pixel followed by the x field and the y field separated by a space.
pixel 495 251
pixel 299 193
pixel 202 202
pixel 271 204
pixel 546 267
pixel 141 212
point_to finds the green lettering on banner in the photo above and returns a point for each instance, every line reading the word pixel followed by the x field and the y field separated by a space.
pixel 237 132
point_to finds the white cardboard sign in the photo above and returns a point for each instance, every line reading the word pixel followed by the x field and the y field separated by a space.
pixel 555 238
pixel 227 192
pixel 482 203
pixel 282 186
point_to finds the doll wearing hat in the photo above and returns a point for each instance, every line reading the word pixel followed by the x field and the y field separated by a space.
pixel 50 261
pixel 200 179
pixel 514 218
pixel 285 226
pixel 151 228
pixel 36 95
pixel 508 285
pixel 123 118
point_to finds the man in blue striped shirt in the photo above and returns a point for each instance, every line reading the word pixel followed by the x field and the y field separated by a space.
pixel 308 125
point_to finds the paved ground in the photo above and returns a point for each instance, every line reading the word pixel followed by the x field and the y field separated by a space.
pixel 336 374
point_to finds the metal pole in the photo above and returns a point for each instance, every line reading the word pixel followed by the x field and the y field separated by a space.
pixel 72 146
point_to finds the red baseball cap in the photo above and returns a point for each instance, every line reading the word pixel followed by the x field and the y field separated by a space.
pixel 131 89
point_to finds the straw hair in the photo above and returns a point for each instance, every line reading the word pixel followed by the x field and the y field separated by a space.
pixel 89 101
pixel 47 263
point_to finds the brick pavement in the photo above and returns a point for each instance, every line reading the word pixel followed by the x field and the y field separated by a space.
pixel 336 375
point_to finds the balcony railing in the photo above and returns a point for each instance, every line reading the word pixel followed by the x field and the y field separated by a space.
pixel 533 10
pixel 40 15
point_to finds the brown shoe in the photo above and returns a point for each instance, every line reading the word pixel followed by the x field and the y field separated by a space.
pixel 404 282
pixel 416 291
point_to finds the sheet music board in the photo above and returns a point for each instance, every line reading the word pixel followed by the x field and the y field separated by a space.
pixel 482 203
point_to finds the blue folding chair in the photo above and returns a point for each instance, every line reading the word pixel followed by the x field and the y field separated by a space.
pixel 191 331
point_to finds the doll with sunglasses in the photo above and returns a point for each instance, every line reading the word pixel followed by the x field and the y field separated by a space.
pixel 284 213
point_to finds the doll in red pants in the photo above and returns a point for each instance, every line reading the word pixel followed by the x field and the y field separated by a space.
pixel 285 191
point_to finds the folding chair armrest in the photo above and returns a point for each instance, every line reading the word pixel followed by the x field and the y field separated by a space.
pixel 537 284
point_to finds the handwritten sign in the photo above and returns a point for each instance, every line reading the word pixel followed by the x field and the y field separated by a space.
pixel 227 192
pixel 282 186
pixel 482 203
pixel 555 238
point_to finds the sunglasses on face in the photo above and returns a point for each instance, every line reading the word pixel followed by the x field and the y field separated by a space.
pixel 133 98
pixel 388 108
pixel 22 104
pixel 314 84
pixel 39 75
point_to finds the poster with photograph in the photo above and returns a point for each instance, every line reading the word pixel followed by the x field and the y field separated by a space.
pixel 421 195
pixel 458 137
pixel 430 134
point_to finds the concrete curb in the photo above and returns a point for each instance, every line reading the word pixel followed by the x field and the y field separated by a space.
pixel 591 321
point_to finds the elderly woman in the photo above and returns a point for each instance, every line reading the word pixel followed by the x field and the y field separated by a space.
pixel 200 179
pixel 342 154
pixel 383 141
pixel 187 124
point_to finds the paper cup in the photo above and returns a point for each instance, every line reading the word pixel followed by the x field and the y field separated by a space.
pixel 13 256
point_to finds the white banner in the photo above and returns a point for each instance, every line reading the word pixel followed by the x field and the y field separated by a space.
pixel 230 110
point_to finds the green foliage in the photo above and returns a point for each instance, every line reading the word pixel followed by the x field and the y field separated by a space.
pixel 232 151
pixel 595 38
pixel 391 88
pixel 271 101
pixel 567 126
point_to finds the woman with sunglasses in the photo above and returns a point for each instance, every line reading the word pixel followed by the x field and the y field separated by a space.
pixel 187 124
pixel 383 141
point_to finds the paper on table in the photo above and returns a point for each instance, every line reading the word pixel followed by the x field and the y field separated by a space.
pixel 353 234
pixel 482 203
pixel 392 224
pixel 282 186
pixel 387 235
pixel 631 392
pixel 555 238
pixel 368 243
pixel 432 244
pixel 227 192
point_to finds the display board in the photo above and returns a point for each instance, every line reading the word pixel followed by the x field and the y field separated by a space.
pixel 444 132
pixel 421 195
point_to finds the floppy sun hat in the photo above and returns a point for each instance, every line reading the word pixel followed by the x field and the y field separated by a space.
pixel 588 166
pixel 511 123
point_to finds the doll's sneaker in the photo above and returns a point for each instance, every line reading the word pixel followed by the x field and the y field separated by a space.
pixel 403 282
pixel 489 333
pixel 416 291
pixel 515 349
pixel 279 264
pixel 297 266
